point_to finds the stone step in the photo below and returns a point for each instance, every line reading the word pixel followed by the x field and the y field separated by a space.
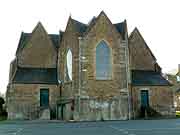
pixel 45 114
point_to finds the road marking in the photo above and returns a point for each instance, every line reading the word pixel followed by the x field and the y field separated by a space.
pixel 18 132
pixel 121 130
pixel 118 129
pixel 151 129
pixel 125 131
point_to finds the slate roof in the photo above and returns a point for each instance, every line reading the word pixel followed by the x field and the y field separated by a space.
pixel 120 28
pixel 80 27
pixel 148 78
pixel 84 28
pixel 91 23
pixel 36 76
pixel 55 39
pixel 26 36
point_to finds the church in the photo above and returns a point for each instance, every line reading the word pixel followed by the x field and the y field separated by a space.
pixel 89 72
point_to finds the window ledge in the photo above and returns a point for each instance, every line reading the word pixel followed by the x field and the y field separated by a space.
pixel 68 82
pixel 103 79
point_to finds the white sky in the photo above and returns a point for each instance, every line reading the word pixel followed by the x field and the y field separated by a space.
pixel 157 20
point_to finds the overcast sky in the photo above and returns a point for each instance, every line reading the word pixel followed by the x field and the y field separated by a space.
pixel 157 20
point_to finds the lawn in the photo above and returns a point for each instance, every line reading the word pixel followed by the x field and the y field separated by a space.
pixel 178 114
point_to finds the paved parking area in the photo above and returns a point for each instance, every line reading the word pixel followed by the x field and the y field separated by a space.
pixel 133 127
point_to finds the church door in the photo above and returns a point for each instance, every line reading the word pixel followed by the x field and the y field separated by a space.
pixel 144 98
pixel 144 102
pixel 44 97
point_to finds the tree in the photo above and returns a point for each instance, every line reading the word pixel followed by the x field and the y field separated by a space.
pixel 1 104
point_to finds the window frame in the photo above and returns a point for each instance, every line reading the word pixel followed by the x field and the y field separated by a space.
pixel 41 97
pixel 111 61
pixel 66 71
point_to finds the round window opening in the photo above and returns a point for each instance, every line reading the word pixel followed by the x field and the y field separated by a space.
pixel 69 64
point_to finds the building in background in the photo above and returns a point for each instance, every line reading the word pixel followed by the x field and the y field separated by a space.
pixel 175 80
pixel 91 71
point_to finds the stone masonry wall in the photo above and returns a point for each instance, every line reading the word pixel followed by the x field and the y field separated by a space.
pixel 94 99
pixel 100 96
pixel 69 41
pixel 160 99
pixel 23 100
pixel 103 30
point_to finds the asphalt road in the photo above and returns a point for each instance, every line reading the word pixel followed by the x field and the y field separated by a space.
pixel 133 127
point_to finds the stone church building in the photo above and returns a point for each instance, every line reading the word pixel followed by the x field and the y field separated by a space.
pixel 88 72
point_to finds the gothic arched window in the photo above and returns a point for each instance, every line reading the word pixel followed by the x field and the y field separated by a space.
pixel 68 74
pixel 103 62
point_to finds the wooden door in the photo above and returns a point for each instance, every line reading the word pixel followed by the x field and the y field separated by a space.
pixel 44 97
pixel 144 98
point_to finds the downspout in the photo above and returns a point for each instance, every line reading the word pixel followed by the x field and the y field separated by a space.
pixel 132 103
pixel 58 81
pixel 127 72
pixel 79 90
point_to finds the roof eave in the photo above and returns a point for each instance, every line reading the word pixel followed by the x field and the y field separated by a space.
pixel 150 85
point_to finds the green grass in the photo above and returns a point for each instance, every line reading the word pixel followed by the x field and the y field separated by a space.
pixel 178 114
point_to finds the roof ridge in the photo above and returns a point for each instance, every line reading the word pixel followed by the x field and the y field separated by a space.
pixel 47 33
pixel 79 21
pixel 95 19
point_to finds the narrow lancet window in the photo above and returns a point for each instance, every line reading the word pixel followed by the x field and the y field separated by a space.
pixel 69 66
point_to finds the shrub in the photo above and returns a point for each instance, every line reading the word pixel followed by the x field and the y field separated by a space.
pixel 3 113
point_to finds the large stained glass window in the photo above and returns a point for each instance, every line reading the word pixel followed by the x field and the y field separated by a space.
pixel 103 62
